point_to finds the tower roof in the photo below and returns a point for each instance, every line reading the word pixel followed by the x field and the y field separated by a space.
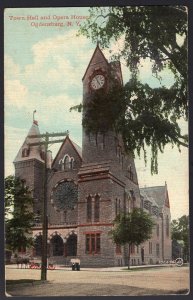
pixel 34 152
pixel 97 57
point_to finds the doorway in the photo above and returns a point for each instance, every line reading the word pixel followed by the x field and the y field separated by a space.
pixel 71 245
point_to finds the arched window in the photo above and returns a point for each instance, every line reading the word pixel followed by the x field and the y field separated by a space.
pixel 71 245
pixel 119 206
pixel 157 230
pixel 130 172
pixel 72 163
pixel 132 198
pixel 157 250
pixel 57 245
pixel 167 226
pixel 61 165
pixel 116 207
pixel 89 209
pixel 146 204
pixel 25 152
pixel 150 247
pixel 96 208
pixel 155 210
pixel 66 163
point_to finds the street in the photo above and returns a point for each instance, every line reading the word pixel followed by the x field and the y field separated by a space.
pixel 99 282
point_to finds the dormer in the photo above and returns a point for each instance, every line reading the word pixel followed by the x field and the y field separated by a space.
pixel 25 151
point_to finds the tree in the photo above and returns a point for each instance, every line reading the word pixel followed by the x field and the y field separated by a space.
pixel 159 33
pixel 18 214
pixel 133 228
pixel 180 232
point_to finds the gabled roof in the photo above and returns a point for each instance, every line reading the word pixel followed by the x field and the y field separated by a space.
pixel 34 150
pixel 155 193
pixel 97 49
pixel 77 148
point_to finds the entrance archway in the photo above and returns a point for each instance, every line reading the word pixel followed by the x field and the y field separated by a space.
pixel 57 246
pixel 71 245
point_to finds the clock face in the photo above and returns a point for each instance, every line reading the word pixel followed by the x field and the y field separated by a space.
pixel 65 195
pixel 98 81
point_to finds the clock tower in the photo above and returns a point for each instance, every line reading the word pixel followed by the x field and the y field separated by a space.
pixel 88 187
pixel 107 179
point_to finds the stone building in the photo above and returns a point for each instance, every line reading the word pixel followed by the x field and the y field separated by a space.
pixel 88 187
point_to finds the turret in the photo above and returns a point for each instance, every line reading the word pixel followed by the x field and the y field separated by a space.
pixel 29 165
pixel 27 151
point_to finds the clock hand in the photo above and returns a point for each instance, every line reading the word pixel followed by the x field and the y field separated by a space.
pixel 98 81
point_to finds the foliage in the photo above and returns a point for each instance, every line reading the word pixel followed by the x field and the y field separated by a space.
pixel 180 232
pixel 132 228
pixel 148 32
pixel 144 115
pixel 102 112
pixel 18 214
pixel 139 114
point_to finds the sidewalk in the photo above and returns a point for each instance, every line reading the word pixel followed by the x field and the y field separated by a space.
pixel 107 269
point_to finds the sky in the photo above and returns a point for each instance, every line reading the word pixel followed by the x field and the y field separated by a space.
pixel 44 66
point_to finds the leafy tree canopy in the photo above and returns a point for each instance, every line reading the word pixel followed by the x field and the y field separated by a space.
pixel 133 228
pixel 145 116
pixel 180 231
pixel 18 214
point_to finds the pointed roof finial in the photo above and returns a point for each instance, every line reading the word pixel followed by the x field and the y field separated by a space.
pixel 34 121
pixel 34 114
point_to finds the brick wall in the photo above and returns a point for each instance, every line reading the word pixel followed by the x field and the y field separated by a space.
pixel 32 171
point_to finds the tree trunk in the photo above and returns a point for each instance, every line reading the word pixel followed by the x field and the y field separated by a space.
pixel 129 254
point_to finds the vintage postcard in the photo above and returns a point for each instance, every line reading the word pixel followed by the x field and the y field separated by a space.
pixel 96 151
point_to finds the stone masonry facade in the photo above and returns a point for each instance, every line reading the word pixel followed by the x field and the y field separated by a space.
pixel 88 187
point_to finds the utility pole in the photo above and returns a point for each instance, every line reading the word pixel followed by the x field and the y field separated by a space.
pixel 46 142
